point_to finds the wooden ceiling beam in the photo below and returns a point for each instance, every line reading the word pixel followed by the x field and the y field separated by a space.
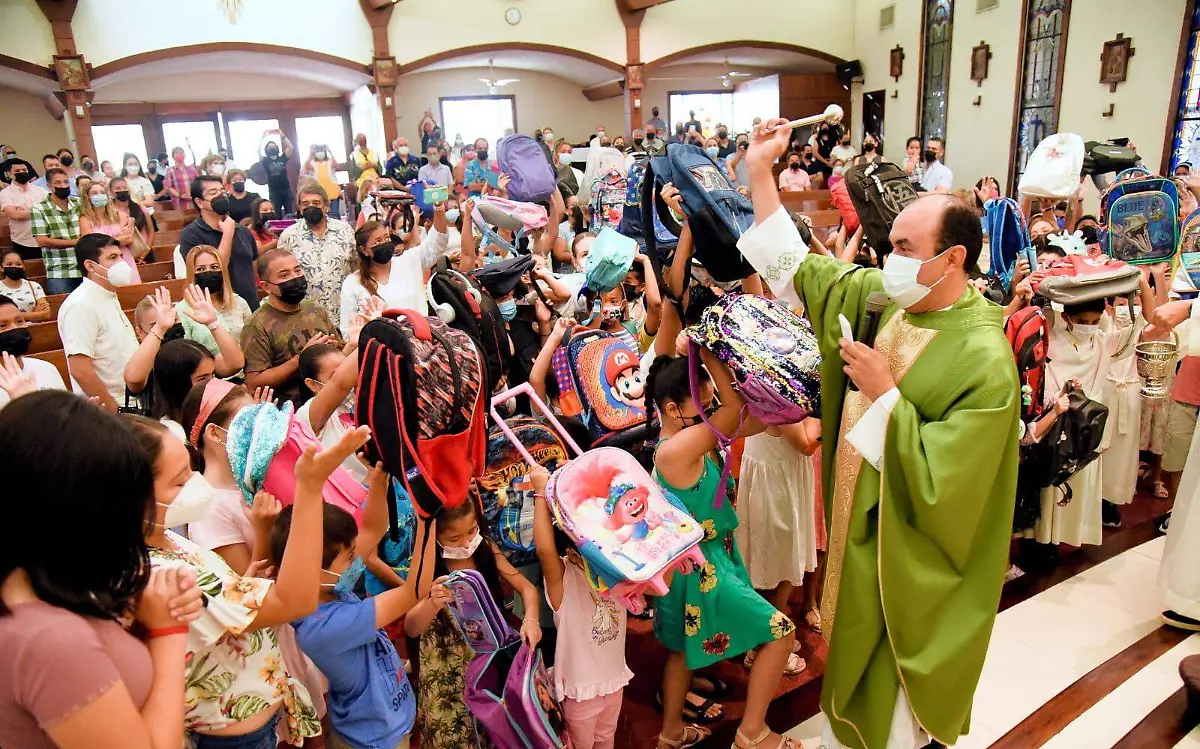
pixel 604 91
pixel 632 6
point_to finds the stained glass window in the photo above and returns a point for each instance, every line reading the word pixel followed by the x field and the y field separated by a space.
pixel 1187 116
pixel 1045 41
pixel 936 73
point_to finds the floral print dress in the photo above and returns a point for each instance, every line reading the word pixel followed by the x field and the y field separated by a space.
pixel 714 613
pixel 233 675
pixel 442 715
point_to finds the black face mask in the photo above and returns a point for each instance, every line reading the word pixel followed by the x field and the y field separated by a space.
pixel 210 280
pixel 89 166
pixel 174 333
pixel 272 153
pixel 23 178
pixel 481 155
pixel 312 215
pixel 220 205
pixel 293 290
pixel 264 218
pixel 121 195
pixel 722 134
pixel 16 341
pixel 868 147
pixel 382 253
pixel 62 193
pixel 638 141
pixel 930 155
pixel 66 160
pixel 794 166
pixel 631 294
pixel 153 169
pixel 14 273
pixel 238 186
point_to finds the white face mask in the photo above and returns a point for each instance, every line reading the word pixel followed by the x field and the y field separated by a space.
pixel 900 279
pixel 402 151
pixel 1084 332
pixel 119 274
pixel 217 169
pixel 463 552
pixel 131 170
pixel 191 504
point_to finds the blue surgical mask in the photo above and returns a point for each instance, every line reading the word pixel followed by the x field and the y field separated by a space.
pixel 564 231
pixel 508 309
pixel 348 579
pixel 712 151
pixel 491 258
pixel 452 215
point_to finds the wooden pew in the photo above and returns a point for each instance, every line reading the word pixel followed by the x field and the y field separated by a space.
pixel 166 239
pixel 129 296
pixel 45 337
pixel 35 268
pixel 58 358
pixel 5 235
pixel 56 301
pixel 829 218
pixel 151 272
pixel 806 201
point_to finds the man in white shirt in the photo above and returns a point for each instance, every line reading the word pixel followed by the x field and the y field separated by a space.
pixel 937 176
pixel 323 245
pixel 15 201
pixel 17 370
pixel 434 171
pixel 97 336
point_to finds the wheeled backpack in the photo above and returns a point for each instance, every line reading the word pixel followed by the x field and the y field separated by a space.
pixel 602 375
pixel 879 190
pixel 461 302
pixel 531 178
pixel 421 390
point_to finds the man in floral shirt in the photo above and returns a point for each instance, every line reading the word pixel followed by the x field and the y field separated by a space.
pixel 325 248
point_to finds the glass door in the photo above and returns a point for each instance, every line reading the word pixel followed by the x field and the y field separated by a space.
pixel 247 139
pixel 114 141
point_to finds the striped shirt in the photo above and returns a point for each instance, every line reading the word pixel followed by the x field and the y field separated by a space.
pixel 46 219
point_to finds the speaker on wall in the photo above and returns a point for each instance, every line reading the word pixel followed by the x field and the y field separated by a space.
pixel 848 71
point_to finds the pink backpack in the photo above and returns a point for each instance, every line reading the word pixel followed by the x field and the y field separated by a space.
pixel 629 531
pixel 341 490
pixel 532 180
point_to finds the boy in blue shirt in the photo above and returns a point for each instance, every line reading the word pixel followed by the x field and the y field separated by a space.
pixel 371 703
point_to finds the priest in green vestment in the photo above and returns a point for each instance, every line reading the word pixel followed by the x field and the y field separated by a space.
pixel 920 487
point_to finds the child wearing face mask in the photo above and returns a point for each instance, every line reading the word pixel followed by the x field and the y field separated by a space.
pixel 371 701
pixel 1084 352
pixel 240 689
pixel 445 721
pixel 329 377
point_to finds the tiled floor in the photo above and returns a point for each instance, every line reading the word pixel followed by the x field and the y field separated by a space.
pixel 1043 645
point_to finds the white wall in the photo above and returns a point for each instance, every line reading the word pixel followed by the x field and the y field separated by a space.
pixel 26 125
pixel 211 87
pixel 420 28
pixel 107 30
pixel 542 101
pixel 873 47
pixel 26 32
pixel 825 26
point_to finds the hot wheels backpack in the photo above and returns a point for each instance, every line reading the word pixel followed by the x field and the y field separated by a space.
pixel 1141 215
pixel 532 179
pixel 504 488
pixel 420 389
pixel 507 687
pixel 629 531
pixel 606 378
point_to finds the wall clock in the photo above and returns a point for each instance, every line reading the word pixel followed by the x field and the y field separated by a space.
pixel 513 16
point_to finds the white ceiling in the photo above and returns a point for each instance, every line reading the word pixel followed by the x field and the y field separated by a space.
pixel 235 63
pixel 585 74
pixel 30 84
pixel 767 61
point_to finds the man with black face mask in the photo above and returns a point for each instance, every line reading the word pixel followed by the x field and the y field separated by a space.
pixel 285 324
pixel 235 243
pixel 725 146
pixel 937 176
pixel 14 341
pixel 16 200
pixel 274 170
pixel 325 248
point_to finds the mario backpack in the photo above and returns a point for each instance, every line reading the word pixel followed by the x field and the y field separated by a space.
pixel 603 375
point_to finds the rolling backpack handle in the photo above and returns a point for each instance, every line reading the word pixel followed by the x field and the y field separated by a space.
pixel 526 389
pixel 723 442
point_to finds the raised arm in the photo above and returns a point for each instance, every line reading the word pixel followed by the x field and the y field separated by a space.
pixel 139 366
pixel 229 360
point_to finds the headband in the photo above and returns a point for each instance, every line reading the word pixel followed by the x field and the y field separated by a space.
pixel 215 391
pixel 614 495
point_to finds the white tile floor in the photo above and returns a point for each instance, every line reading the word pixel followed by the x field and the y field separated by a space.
pixel 1043 645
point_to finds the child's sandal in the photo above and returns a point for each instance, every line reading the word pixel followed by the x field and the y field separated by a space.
pixel 786 743
pixel 692 735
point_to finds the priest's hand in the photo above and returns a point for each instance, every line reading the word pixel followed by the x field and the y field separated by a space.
pixel 867 368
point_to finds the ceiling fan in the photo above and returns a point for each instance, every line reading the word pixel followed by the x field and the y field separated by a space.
pixel 730 74
pixel 494 83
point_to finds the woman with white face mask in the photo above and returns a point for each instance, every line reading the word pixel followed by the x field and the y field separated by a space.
pixel 247 688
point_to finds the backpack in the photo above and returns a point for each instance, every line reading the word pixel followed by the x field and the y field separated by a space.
pixel 1053 169
pixel 421 390
pixel 717 213
pixel 460 302
pixel 1141 216
pixel 840 199
pixel 1085 278
pixel 531 178
pixel 507 687
pixel 520 218
pixel 1028 333
pixel 879 190
pixel 504 488
pixel 606 377
pixel 629 531
pixel 608 200
pixel 1189 253
pixel 1008 237
pixel 1072 442
pixel 631 216
pixel 1103 158
pixel 609 260
pixel 773 354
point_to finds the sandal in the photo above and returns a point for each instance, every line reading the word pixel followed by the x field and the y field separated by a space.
pixel 795 664
pixel 813 619
pixel 1160 490
pixel 695 712
pixel 710 686
pixel 692 735
pixel 784 743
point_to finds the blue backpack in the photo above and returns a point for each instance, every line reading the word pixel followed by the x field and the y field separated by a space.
pixel 1008 237
pixel 1141 215
pixel 532 179
pixel 717 213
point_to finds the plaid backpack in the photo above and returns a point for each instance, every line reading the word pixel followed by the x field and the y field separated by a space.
pixel 420 389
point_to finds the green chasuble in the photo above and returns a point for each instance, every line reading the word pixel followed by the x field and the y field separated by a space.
pixel 917 551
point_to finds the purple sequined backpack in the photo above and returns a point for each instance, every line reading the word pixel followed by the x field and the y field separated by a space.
pixel 773 354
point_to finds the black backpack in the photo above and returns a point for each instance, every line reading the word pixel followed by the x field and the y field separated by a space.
pixel 462 303
pixel 1102 158
pixel 879 191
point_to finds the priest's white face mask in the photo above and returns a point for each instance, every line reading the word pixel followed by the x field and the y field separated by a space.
pixel 900 279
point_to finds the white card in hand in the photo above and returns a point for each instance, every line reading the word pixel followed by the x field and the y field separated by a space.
pixel 847 333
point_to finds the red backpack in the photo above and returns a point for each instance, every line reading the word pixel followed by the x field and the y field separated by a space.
pixel 1028 332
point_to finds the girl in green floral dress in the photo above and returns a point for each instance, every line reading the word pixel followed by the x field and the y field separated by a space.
pixel 713 613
